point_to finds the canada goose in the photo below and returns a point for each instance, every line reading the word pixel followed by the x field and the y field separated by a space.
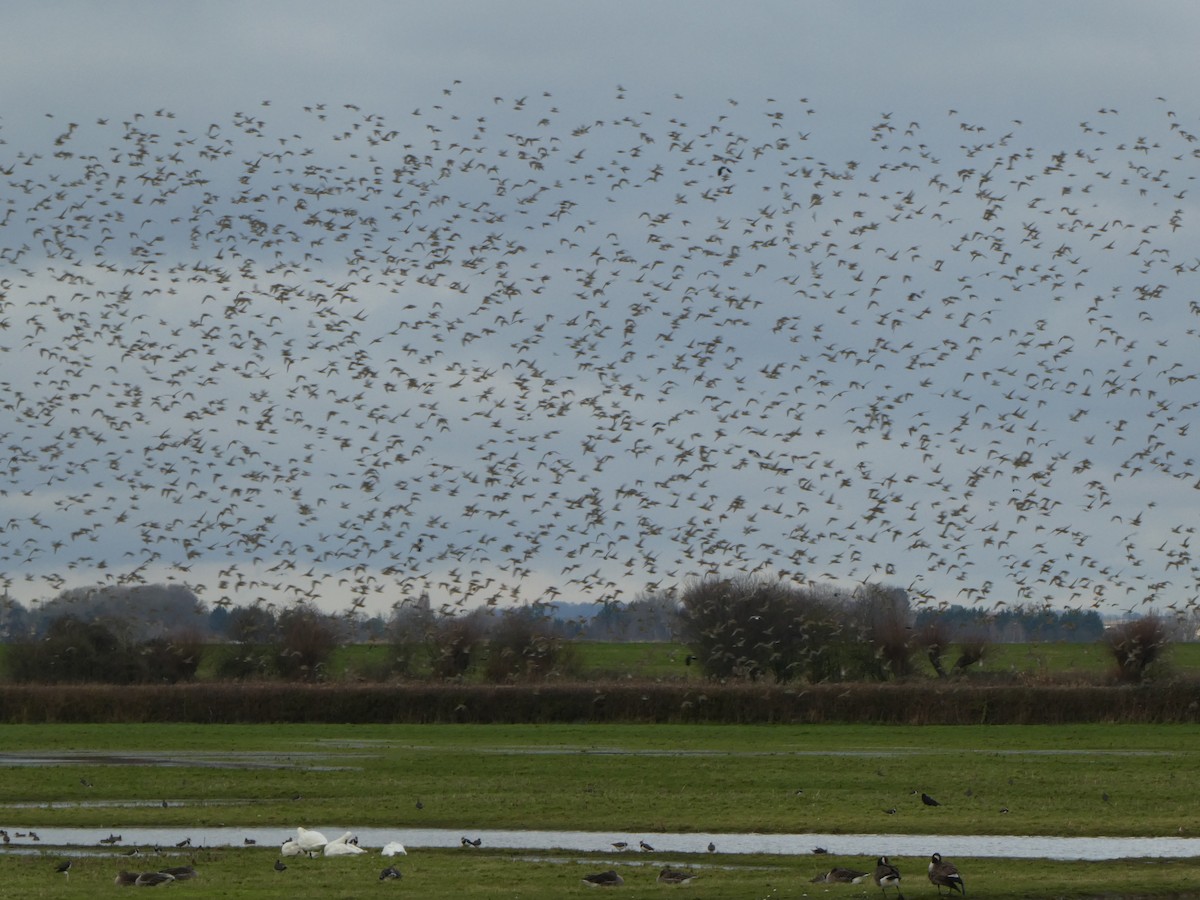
pixel 390 873
pixel 943 874
pixel 886 876
pixel 604 879
pixel 674 876
pixel 840 875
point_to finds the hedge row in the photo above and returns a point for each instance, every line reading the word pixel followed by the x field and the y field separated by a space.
pixel 900 704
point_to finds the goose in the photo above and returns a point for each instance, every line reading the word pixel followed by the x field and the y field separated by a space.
pixel 604 879
pixel 310 841
pixel 393 848
pixel 943 874
pixel 125 879
pixel 674 876
pixel 179 873
pixel 280 865
pixel 840 875
pixel 150 879
pixel 343 846
pixel 886 876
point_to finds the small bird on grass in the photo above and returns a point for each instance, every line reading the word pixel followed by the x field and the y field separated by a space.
pixel 391 873
pixel 944 874
pixel 929 801
pixel 64 867
pixel 280 866
pixel 646 847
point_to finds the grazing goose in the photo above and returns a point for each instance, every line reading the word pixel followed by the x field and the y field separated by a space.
pixel 840 875
pixel 604 879
pixel 393 848
pixel 674 876
pixel 886 876
pixel 943 874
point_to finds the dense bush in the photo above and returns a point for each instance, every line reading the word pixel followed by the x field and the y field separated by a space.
pixel 76 651
pixel 1136 646
pixel 522 644
pixel 307 638
pixel 752 628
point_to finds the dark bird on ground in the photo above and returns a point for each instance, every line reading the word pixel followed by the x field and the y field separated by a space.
pixel 674 876
pixel 712 848
pixel 819 850
pixel 840 875
pixel 604 879
pixel 64 867
pixel 929 801
pixel 280 866
pixel 467 842
pixel 887 876
pixel 943 874
pixel 179 873
pixel 391 873
pixel 249 842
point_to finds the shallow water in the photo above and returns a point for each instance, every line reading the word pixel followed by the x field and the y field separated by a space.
pixel 839 845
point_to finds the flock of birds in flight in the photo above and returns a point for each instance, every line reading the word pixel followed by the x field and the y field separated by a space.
pixel 496 351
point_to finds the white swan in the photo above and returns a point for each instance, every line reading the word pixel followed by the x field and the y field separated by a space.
pixel 310 841
pixel 393 848
pixel 291 847
pixel 342 846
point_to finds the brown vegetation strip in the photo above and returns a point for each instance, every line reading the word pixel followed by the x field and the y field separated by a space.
pixel 900 704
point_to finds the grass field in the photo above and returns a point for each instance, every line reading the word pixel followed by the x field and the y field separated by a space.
pixel 626 779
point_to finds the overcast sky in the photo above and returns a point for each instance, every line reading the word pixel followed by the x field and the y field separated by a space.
pixel 508 301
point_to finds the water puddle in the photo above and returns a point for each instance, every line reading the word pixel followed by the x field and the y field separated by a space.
pixel 203 760
pixel 592 842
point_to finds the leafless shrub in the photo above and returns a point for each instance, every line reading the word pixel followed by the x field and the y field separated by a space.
pixel 1136 645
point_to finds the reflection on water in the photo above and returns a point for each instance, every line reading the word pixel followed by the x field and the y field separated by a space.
pixel 867 846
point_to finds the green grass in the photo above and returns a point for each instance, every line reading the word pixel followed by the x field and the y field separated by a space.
pixel 648 778
pixel 624 779
pixel 466 875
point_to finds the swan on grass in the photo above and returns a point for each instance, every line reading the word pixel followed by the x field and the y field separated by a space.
pixel 343 846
